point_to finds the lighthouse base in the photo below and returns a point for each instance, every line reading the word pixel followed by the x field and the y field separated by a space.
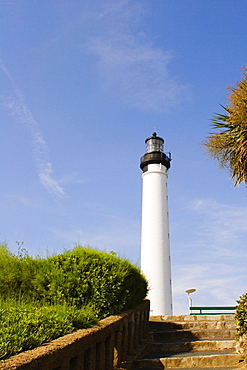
pixel 155 244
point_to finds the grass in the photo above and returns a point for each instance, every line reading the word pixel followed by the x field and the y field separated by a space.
pixel 26 325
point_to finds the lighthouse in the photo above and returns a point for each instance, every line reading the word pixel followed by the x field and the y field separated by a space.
pixel 155 238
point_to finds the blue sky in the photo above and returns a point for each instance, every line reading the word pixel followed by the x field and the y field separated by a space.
pixel 83 84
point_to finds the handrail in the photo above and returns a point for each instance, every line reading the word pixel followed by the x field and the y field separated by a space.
pixel 217 308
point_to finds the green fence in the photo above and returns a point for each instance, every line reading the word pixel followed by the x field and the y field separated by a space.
pixel 220 310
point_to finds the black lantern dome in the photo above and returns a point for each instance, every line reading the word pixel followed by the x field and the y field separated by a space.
pixel 154 153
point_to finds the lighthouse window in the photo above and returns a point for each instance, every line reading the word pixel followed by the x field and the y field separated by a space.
pixel 154 145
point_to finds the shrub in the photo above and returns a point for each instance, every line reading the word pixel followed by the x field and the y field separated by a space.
pixel 17 274
pixel 241 315
pixel 79 277
pixel 85 276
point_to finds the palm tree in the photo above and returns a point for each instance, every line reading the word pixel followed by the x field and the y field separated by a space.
pixel 228 144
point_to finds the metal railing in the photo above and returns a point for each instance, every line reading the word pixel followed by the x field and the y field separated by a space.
pixel 221 310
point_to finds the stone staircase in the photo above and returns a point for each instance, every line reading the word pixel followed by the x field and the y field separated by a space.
pixel 191 341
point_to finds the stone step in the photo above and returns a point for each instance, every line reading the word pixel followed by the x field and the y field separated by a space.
pixel 202 345
pixel 202 368
pixel 195 368
pixel 183 342
pixel 175 335
pixel 168 325
pixel 182 318
pixel 207 359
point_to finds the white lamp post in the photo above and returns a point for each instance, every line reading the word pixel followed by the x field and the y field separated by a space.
pixel 189 291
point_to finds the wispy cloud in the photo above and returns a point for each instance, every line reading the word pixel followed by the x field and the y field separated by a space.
pixel 131 65
pixel 212 256
pixel 18 108
pixel 123 7
pixel 73 178
pixel 223 226
pixel 216 284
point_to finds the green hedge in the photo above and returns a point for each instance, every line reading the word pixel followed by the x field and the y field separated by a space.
pixel 79 277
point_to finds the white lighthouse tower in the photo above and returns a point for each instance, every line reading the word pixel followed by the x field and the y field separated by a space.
pixel 155 240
